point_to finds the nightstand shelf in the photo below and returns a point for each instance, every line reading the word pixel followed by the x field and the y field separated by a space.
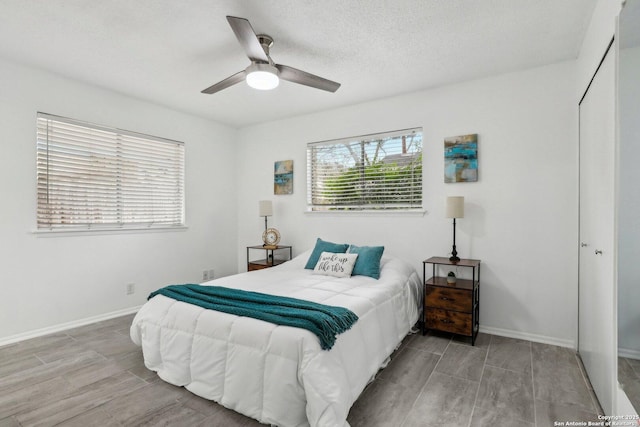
pixel 452 307
pixel 270 259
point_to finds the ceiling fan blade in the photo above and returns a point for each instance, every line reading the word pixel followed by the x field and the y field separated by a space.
pixel 247 38
pixel 302 77
pixel 229 81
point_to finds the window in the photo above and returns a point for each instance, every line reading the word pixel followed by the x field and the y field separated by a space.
pixel 372 172
pixel 94 177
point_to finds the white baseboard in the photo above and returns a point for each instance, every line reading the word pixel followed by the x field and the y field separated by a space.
pixel 64 326
pixel 623 404
pixel 529 337
pixel 629 353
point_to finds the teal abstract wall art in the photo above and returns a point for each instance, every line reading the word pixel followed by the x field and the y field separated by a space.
pixel 283 177
pixel 461 158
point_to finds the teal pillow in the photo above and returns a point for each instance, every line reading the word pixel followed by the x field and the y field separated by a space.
pixel 368 261
pixel 323 246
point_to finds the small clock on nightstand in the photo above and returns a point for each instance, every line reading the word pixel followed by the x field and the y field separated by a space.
pixel 271 238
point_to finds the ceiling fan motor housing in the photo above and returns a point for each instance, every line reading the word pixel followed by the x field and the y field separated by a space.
pixel 266 42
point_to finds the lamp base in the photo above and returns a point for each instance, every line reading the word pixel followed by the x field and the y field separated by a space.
pixel 454 253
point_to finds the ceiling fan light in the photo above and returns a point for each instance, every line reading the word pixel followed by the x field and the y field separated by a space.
pixel 262 76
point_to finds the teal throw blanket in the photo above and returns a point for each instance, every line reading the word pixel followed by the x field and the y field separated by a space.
pixel 323 320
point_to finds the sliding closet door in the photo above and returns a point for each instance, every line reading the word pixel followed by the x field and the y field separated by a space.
pixel 597 231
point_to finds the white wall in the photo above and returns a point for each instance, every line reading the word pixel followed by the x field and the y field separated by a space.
pixel 520 219
pixel 47 281
pixel 629 205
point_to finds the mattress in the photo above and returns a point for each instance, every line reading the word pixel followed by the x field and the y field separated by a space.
pixel 279 375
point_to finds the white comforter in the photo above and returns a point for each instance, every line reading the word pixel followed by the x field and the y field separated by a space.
pixel 279 375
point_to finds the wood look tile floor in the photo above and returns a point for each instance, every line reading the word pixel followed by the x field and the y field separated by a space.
pixel 629 377
pixel 94 376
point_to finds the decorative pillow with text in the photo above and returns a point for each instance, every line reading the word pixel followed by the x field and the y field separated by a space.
pixel 337 265
pixel 324 246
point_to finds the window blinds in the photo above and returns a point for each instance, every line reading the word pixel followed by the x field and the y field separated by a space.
pixel 94 177
pixel 373 172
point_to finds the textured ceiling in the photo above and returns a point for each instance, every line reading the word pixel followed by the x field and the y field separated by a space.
pixel 167 51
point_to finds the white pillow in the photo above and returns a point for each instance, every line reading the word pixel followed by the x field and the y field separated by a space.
pixel 337 265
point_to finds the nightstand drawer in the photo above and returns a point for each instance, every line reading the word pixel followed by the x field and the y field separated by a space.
pixel 449 299
pixel 256 266
pixel 449 321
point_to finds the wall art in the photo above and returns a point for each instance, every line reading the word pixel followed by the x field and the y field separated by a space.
pixel 283 177
pixel 461 158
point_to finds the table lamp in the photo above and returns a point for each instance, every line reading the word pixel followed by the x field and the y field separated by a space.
pixel 455 209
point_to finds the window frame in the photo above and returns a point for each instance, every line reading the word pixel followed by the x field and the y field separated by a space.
pixel 127 164
pixel 366 208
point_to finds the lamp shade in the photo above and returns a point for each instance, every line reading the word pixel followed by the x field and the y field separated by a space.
pixel 455 207
pixel 265 208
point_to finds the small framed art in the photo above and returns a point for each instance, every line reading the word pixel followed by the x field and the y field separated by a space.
pixel 283 177
pixel 461 158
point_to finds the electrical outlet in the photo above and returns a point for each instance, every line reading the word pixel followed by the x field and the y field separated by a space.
pixel 131 288
pixel 208 275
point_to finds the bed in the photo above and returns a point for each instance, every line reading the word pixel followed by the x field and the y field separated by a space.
pixel 279 375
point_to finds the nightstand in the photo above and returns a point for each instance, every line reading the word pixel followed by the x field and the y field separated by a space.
pixel 451 307
pixel 270 258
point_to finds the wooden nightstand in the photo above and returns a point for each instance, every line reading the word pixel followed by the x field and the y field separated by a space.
pixel 452 307
pixel 270 259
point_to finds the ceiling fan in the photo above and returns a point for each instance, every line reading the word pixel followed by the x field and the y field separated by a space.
pixel 263 73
